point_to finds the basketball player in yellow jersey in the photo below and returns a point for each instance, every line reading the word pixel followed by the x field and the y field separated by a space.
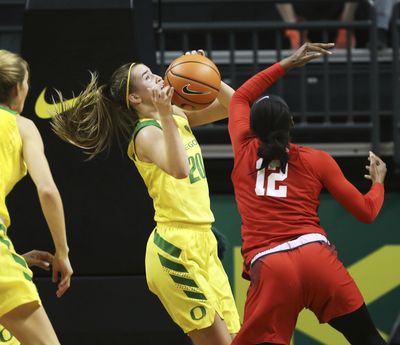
pixel 21 150
pixel 182 267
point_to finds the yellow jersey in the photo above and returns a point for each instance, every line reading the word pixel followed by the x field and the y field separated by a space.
pixel 12 164
pixel 176 200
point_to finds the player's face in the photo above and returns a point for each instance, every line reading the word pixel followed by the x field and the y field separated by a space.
pixel 144 80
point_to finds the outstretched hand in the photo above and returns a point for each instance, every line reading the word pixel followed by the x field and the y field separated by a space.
pixel 306 53
pixel 39 258
pixel 376 168
pixel 62 272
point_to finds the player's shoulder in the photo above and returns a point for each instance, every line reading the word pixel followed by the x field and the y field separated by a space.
pixel 311 151
pixel 314 157
pixel 25 125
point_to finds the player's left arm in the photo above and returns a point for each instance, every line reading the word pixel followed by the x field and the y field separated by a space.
pixel 217 110
pixel 365 207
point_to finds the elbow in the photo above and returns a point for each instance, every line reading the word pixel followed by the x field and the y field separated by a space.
pixel 366 218
pixel 369 220
pixel 47 191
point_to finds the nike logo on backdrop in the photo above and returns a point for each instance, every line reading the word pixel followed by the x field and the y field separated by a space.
pixel 46 110
pixel 188 91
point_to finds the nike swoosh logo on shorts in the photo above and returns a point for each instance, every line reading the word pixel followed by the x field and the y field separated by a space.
pixel 188 91
pixel 46 110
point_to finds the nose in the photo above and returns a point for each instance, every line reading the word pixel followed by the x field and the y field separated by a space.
pixel 158 79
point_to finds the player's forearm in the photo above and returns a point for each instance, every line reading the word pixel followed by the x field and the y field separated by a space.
pixel 225 95
pixel 176 157
pixel 255 86
pixel 53 211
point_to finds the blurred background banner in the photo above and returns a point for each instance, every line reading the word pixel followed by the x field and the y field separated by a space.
pixel 346 104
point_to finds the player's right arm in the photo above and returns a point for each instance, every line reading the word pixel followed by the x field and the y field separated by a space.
pixel 365 207
pixel 243 98
pixel 50 200
pixel 163 147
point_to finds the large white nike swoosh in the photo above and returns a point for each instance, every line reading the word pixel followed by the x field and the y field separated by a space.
pixel 46 110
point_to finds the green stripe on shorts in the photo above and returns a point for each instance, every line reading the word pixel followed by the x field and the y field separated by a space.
pixel 171 265
pixel 27 276
pixel 195 295
pixel 19 260
pixel 7 243
pixel 3 227
pixel 166 246
pixel 184 281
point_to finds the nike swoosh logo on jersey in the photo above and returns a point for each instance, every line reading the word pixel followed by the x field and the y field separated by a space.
pixel 188 91
pixel 46 110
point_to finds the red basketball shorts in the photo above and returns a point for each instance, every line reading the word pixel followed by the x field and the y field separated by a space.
pixel 284 283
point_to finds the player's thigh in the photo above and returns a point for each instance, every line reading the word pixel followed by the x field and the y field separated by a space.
pixel 30 324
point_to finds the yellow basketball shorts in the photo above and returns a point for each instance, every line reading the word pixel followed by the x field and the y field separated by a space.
pixel 6 338
pixel 184 271
pixel 16 286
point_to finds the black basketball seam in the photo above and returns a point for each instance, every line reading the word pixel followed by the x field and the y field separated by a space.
pixel 190 79
pixel 186 99
pixel 202 63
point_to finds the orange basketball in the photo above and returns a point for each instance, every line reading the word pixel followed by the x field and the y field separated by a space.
pixel 196 81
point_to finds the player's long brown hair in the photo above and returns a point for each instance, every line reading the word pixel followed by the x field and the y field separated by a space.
pixel 12 71
pixel 270 121
pixel 99 115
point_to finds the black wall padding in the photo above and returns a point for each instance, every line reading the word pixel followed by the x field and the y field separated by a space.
pixel 108 212
pixel 109 310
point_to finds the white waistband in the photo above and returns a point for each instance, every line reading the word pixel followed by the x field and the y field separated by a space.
pixel 299 241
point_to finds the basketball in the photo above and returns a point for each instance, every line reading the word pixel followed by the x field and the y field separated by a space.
pixel 196 81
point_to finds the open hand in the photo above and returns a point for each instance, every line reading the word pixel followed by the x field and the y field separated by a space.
pixel 306 53
pixel 39 258
pixel 376 168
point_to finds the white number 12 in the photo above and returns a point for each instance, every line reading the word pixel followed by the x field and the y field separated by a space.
pixel 281 192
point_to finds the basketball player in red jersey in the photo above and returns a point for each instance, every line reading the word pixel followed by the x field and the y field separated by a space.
pixel 287 255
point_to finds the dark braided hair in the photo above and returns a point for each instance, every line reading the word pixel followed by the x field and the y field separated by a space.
pixel 271 121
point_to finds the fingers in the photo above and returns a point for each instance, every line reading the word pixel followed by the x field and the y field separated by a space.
pixel 44 256
pixel 54 276
pixel 162 93
pixel 63 286
pixel 45 265
pixel 324 45
pixel 368 177
pixel 318 47
pixel 196 52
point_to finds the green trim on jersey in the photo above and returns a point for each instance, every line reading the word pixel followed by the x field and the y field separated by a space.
pixel 143 124
pixel 8 110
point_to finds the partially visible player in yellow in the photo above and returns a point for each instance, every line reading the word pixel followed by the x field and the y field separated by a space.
pixel 36 258
pixel 21 150
pixel 182 266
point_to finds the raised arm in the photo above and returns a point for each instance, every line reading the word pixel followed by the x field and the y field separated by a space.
pixel 243 98
pixel 50 200
pixel 163 147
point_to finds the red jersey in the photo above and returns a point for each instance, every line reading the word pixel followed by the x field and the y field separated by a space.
pixel 277 207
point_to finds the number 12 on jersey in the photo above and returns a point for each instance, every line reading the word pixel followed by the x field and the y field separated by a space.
pixel 270 188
